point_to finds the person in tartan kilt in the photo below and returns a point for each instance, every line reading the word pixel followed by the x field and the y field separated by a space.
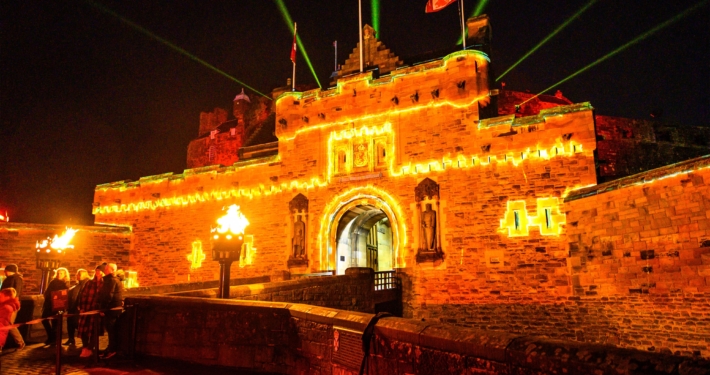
pixel 89 301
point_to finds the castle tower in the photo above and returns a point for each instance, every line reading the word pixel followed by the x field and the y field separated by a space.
pixel 241 104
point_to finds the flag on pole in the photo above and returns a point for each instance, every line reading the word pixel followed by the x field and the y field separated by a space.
pixel 437 5
pixel 293 48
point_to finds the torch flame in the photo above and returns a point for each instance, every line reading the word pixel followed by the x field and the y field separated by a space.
pixel 5 218
pixel 62 242
pixel 234 221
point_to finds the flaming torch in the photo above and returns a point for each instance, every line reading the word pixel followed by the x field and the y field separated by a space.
pixel 227 241
pixel 49 253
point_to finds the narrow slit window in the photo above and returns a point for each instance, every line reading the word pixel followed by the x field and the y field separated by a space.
pixel 548 217
pixel 516 217
pixel 210 153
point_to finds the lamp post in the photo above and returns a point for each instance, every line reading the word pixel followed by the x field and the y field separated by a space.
pixel 50 253
pixel 46 262
pixel 227 241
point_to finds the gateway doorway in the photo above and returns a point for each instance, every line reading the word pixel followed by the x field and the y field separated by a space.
pixel 364 239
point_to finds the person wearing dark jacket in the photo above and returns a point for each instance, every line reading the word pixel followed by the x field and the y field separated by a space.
pixel 110 297
pixel 82 276
pixel 14 280
pixel 59 282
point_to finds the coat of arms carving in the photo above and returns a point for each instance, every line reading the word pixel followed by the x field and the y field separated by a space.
pixel 360 154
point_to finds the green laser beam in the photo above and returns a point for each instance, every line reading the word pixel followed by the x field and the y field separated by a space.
pixel 475 13
pixel 375 6
pixel 639 38
pixel 547 38
pixel 301 48
pixel 147 32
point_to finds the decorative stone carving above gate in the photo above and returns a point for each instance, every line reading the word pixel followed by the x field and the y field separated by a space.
pixel 362 150
pixel 298 207
pixel 426 196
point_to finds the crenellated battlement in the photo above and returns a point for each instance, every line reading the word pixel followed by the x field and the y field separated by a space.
pixel 458 80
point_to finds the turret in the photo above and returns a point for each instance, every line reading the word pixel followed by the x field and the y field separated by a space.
pixel 241 104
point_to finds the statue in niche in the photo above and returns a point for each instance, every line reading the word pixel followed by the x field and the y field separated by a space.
pixel 361 157
pixel 299 217
pixel 298 242
pixel 426 194
pixel 429 228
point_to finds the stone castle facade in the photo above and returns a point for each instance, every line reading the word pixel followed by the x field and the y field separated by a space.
pixel 491 222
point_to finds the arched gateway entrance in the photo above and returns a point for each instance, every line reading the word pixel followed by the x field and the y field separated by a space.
pixel 362 230
pixel 364 239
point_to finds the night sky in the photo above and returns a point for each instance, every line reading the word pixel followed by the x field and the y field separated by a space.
pixel 86 99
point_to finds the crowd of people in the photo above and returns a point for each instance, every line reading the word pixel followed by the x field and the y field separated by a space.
pixel 101 291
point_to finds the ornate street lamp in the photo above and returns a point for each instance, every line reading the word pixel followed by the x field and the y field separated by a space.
pixel 227 241
pixel 49 253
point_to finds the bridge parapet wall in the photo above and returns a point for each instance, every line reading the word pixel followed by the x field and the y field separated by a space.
pixel 294 338
pixel 353 291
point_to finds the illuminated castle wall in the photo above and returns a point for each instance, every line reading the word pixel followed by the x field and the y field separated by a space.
pixel 371 142
pixel 518 243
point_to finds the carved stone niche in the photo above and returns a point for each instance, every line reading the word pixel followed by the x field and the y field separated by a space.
pixel 298 208
pixel 426 196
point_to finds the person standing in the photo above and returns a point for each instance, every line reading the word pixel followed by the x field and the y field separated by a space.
pixel 59 282
pixel 111 297
pixel 88 301
pixel 82 276
pixel 14 280
pixel 9 305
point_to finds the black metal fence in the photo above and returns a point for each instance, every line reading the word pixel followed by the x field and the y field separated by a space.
pixel 386 280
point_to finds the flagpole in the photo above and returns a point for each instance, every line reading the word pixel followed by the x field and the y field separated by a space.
pixel 463 26
pixel 293 79
pixel 335 44
pixel 360 43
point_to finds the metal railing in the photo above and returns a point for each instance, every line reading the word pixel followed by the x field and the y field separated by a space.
pixel 385 280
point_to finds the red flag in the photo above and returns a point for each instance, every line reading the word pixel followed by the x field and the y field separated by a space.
pixel 437 5
pixel 293 49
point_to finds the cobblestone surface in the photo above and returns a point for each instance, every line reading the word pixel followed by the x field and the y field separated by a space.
pixel 39 359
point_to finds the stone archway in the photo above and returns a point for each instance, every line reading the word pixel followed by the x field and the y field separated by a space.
pixel 364 239
pixel 360 228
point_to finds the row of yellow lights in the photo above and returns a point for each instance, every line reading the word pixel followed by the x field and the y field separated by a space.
pixel 386 114
pixel 560 148
pixel 434 165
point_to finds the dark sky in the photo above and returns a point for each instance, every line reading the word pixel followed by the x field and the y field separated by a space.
pixel 86 99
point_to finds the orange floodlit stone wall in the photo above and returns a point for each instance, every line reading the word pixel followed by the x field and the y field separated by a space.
pixel 643 234
pixel 637 257
pixel 372 142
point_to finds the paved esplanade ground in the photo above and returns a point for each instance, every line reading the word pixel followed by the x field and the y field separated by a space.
pixel 39 359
